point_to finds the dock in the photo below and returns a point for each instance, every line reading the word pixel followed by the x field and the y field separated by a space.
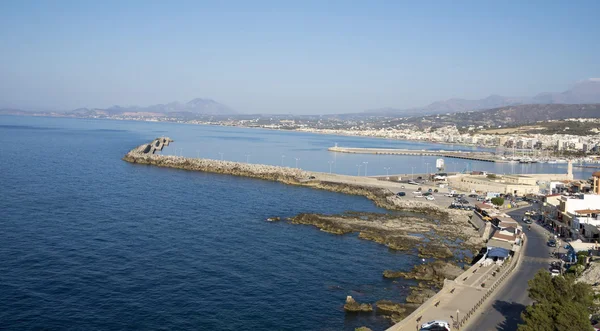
pixel 476 156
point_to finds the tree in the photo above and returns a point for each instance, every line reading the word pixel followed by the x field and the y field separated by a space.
pixel 498 201
pixel 559 303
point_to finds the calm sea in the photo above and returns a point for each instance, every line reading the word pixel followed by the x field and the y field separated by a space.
pixel 90 242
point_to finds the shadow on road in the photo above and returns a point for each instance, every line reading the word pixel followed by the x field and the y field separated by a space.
pixel 511 312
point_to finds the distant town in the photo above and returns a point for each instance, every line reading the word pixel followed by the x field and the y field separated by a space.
pixel 578 137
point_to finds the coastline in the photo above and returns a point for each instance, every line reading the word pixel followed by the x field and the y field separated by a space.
pixel 443 236
pixel 469 146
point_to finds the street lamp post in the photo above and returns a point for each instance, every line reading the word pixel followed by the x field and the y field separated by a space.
pixel 198 153
pixel 387 171
pixel 221 153
pixel 412 173
pixel 366 163
pixel 330 164
pixel 297 159
pixel 247 158
pixel 358 165
pixel 282 157
pixel 427 164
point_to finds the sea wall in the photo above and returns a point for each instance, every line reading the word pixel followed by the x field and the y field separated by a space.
pixel 371 188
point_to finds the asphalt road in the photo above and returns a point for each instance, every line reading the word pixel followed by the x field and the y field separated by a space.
pixel 512 298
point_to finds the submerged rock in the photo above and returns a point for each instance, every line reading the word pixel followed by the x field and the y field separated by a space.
pixel 274 219
pixel 355 307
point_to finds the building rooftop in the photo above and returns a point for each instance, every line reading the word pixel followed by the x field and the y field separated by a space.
pixel 587 211
pixel 505 237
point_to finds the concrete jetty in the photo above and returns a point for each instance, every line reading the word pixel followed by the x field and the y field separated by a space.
pixel 477 156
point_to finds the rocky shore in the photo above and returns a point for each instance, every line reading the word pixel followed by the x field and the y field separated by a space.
pixel 429 236
pixel 422 227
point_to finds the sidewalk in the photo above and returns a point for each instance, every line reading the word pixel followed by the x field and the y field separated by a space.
pixel 458 300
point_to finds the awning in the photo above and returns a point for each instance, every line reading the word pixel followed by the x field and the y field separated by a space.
pixel 498 252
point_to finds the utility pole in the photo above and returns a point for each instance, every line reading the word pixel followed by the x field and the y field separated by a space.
pixel 198 153
pixel 282 157
pixel 366 163
pixel 330 164
pixel 412 173
pixel 247 158
pixel 297 159
pixel 387 171
pixel 358 165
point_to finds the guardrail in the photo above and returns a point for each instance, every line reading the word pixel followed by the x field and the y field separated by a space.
pixel 490 291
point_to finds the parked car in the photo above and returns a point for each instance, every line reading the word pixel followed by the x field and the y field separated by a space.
pixel 412 182
pixel 430 197
pixel 552 243
pixel 555 268
pixel 435 326
pixel 473 195
pixel 401 194
pixel 418 196
pixel 450 195
pixel 527 220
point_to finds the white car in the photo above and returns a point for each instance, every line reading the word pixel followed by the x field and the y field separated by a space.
pixel 430 197
pixel 417 192
pixel 449 195
pixel 435 326
pixel 418 196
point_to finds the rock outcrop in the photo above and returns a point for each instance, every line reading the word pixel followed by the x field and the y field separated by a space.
pixel 355 307
pixel 434 272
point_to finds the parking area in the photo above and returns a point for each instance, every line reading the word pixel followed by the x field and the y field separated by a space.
pixel 441 199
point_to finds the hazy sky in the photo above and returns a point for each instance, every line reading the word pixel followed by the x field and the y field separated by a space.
pixel 291 56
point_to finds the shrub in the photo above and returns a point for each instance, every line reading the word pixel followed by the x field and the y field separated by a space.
pixel 498 201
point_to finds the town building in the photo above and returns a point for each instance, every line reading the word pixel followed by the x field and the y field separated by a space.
pixel 575 217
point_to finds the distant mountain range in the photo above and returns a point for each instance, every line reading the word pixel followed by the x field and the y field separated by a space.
pixel 197 106
pixel 583 92
pixel 510 115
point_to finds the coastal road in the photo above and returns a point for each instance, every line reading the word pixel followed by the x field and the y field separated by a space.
pixel 504 310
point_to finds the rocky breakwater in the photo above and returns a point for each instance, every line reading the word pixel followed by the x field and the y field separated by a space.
pixel 145 155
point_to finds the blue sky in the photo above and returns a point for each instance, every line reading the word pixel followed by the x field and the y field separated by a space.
pixel 305 57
